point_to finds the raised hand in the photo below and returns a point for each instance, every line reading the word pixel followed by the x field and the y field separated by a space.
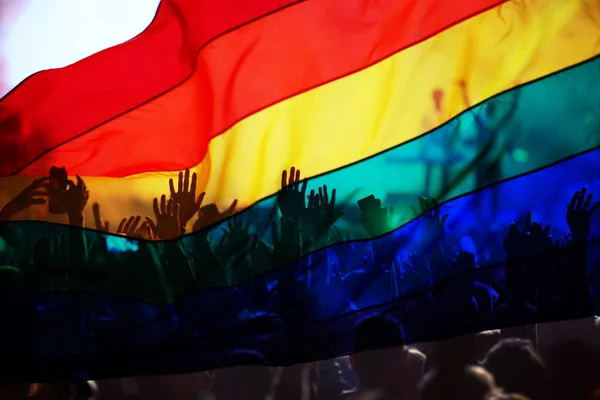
pixel 516 243
pixel 185 196
pixel 320 214
pixel 329 213
pixel 376 220
pixel 168 225
pixel 76 198
pixel 540 239
pixel 291 197
pixel 98 223
pixel 129 227
pixel 434 222
pixel 563 241
pixel 236 238
pixel 312 218
pixel 287 240
pixel 210 215
pixel 579 215
pixel 526 225
pixel 33 194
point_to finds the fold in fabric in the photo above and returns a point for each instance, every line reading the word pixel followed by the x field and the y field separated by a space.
pixel 249 271
pixel 56 105
pixel 563 98
pixel 340 122
pixel 183 348
pixel 303 311
pixel 310 44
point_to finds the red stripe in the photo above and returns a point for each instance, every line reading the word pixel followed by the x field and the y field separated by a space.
pixel 53 106
pixel 249 69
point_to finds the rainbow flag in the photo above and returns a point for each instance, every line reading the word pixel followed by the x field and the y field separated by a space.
pixel 483 105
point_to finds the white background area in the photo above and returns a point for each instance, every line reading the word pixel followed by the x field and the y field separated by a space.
pixel 43 34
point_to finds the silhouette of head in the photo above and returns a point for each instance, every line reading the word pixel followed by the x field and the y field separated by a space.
pixel 465 383
pixel 517 367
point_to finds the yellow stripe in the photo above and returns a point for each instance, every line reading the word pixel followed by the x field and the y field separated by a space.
pixel 382 106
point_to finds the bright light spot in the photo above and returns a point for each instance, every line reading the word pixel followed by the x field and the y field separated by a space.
pixel 468 244
pixel 55 33
pixel 520 155
pixel 589 117
pixel 116 244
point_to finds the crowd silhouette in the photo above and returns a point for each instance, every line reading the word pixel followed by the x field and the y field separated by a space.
pixel 542 279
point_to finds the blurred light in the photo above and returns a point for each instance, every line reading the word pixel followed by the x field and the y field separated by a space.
pixel 589 118
pixel 116 244
pixel 468 244
pixel 520 155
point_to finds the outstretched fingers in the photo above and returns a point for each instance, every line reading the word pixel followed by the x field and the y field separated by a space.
pixel 283 179
pixel 231 208
pixel 155 207
pixel 194 183
pixel 142 231
pixel 172 187
pixel 132 224
pixel 121 227
pixel 128 224
pixel 80 183
pixel 573 201
pixel 304 187
pixel 186 181
pixel 169 209
pixel 163 204
pixel 297 179
pixel 200 198
pixel 333 193
pixel 292 176
pixel 292 182
pixel 180 182
pixel 587 202
pixel 151 224
pixel 581 198
pixel 324 195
